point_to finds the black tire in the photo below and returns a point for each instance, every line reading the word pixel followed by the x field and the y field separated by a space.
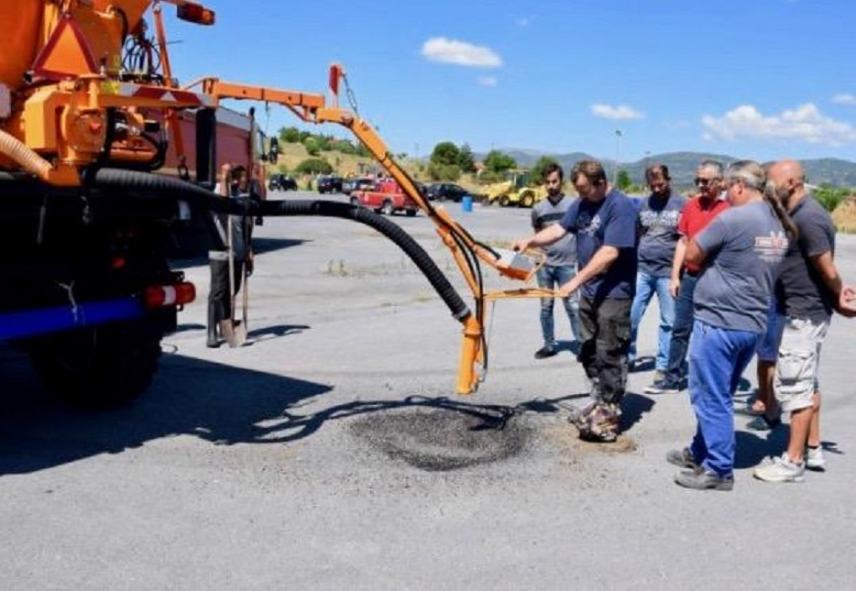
pixel 411 213
pixel 504 201
pixel 386 208
pixel 355 202
pixel 99 367
pixel 528 200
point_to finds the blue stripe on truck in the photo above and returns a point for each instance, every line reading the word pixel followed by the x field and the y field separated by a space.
pixel 29 323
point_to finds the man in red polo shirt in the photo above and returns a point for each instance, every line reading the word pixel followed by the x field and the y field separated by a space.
pixel 695 216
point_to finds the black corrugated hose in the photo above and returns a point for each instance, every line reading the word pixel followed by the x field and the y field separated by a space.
pixel 143 184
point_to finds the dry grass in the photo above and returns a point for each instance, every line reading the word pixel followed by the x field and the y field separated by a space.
pixel 844 215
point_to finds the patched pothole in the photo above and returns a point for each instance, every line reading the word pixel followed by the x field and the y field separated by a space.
pixel 439 439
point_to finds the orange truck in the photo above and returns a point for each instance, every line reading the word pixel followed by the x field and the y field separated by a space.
pixel 102 152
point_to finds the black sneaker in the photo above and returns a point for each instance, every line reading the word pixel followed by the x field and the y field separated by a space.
pixel 704 480
pixel 682 458
pixel 545 351
pixel 664 386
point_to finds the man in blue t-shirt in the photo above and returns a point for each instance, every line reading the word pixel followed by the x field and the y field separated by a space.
pixel 604 222
pixel 740 254
pixel 659 215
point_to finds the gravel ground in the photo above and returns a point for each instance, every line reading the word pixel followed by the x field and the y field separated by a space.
pixel 332 452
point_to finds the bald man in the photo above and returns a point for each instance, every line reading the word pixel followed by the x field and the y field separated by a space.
pixel 808 290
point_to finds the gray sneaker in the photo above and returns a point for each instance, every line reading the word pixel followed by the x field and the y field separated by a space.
pixel 814 459
pixel 682 458
pixel 704 480
pixel 664 386
pixel 781 469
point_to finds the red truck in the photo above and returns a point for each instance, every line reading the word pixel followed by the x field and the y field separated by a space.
pixel 385 197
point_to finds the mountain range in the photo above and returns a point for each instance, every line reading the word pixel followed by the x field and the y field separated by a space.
pixel 682 165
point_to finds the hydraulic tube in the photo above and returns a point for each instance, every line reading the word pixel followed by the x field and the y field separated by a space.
pixel 141 184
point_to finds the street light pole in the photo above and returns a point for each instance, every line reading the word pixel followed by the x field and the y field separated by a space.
pixel 618 135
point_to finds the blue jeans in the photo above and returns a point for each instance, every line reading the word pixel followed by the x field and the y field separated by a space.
pixel 718 357
pixel 682 328
pixel 550 276
pixel 646 286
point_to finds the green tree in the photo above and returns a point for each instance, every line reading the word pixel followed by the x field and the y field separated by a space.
pixel 446 153
pixel 623 181
pixel 289 135
pixel 829 196
pixel 311 145
pixel 444 172
pixel 344 146
pixel 497 161
pixel 314 166
pixel 539 170
pixel 466 160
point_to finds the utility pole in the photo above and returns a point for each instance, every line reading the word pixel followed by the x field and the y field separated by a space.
pixel 618 135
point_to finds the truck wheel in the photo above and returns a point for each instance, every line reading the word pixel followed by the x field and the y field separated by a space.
pixel 411 213
pixel 504 201
pixel 99 367
pixel 355 202
pixel 528 200
pixel 386 208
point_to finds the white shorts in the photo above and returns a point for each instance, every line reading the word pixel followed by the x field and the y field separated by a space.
pixel 797 366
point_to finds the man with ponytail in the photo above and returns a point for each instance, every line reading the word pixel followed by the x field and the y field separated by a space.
pixel 739 254
pixel 808 290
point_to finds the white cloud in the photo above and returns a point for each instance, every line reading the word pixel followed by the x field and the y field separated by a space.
pixel 490 81
pixel 845 99
pixel 615 112
pixel 461 53
pixel 805 123
pixel 523 22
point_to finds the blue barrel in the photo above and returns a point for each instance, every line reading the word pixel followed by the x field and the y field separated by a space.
pixel 467 204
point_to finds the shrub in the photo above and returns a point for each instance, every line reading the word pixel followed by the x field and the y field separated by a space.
pixel 829 196
pixel 444 172
pixel 489 177
pixel 314 166
pixel 497 161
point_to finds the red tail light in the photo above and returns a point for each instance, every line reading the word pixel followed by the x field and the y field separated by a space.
pixel 160 296
pixel 195 13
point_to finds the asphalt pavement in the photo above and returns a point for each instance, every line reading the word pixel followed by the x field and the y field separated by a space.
pixel 332 453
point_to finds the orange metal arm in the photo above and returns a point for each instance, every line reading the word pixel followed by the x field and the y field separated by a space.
pixel 312 108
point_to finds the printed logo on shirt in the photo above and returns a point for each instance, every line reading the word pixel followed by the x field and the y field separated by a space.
pixel 659 219
pixel 588 225
pixel 771 248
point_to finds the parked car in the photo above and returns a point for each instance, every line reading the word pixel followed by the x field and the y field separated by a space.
pixel 385 197
pixel 356 184
pixel 446 191
pixel 329 184
pixel 282 182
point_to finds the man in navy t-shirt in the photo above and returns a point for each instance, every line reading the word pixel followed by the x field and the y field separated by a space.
pixel 604 222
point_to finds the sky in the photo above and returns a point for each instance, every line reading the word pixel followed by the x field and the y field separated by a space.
pixel 760 79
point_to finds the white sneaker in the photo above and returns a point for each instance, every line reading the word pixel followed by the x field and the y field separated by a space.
pixel 814 459
pixel 781 469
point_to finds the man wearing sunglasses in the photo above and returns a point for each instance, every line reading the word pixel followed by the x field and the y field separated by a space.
pixel 740 253
pixel 695 216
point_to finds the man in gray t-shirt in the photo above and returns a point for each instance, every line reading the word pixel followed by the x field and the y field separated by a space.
pixel 740 253
pixel 807 291
pixel 561 264
pixel 658 218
